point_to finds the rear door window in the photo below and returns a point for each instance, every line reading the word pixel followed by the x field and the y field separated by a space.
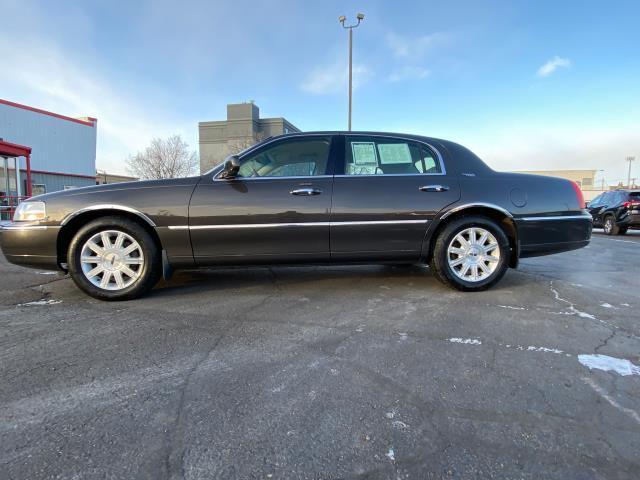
pixel 388 156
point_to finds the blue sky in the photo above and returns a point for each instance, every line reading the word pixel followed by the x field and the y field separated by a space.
pixel 527 85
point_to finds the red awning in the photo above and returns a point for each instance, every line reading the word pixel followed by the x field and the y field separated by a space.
pixel 13 150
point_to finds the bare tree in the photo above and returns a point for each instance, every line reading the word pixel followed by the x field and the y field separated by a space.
pixel 164 158
pixel 239 144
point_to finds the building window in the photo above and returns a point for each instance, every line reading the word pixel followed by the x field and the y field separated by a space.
pixel 38 189
pixel 587 182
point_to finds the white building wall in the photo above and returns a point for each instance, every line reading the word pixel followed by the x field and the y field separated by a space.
pixel 58 145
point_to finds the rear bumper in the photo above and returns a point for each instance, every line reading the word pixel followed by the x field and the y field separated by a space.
pixel 30 245
pixel 630 220
pixel 544 235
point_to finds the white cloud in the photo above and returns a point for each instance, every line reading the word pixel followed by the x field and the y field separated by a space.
pixel 413 47
pixel 408 73
pixel 552 65
pixel 333 79
pixel 45 77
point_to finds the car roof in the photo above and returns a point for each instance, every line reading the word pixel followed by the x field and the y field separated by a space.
pixel 363 133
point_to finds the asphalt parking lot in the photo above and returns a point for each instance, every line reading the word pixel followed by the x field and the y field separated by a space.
pixel 328 372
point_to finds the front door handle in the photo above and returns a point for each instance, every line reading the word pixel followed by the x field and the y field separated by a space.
pixel 434 188
pixel 306 192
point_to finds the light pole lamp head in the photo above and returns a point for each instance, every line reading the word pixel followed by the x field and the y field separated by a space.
pixel 360 16
pixel 342 19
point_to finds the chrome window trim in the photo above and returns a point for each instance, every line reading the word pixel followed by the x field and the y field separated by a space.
pixel 556 217
pixel 398 137
pixel 301 177
pixel 303 224
pixel 107 206
pixel 478 204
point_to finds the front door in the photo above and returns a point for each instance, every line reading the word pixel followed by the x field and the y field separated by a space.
pixel 387 192
pixel 275 210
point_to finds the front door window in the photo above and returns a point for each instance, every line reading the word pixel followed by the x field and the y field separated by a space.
pixel 292 158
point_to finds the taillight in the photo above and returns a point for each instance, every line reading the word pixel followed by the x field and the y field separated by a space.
pixel 579 196
pixel 631 204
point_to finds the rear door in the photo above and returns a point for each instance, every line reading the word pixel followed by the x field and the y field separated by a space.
pixel 275 210
pixel 385 192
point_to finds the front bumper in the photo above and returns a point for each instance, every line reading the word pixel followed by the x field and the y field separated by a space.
pixel 30 244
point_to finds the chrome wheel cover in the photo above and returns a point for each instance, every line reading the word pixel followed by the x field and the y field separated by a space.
pixel 112 260
pixel 608 225
pixel 473 254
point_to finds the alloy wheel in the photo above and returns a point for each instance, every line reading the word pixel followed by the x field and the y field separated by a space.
pixel 112 260
pixel 473 254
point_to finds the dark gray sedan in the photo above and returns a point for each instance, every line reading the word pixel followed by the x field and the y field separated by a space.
pixel 326 197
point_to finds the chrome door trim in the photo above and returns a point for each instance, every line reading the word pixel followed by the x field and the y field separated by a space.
pixel 106 206
pixel 557 217
pixel 304 224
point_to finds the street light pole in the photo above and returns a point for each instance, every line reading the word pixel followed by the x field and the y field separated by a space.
pixel 342 19
pixel 629 159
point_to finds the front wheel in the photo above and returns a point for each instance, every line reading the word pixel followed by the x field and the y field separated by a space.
pixel 471 254
pixel 610 227
pixel 113 258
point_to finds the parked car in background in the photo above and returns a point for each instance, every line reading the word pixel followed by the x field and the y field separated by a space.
pixel 325 197
pixel 616 211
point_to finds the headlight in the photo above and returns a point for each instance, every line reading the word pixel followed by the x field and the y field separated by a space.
pixel 30 212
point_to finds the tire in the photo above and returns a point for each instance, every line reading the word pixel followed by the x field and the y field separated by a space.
pixel 132 268
pixel 610 227
pixel 623 230
pixel 444 263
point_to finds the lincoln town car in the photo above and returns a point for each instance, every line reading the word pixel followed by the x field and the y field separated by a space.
pixel 305 198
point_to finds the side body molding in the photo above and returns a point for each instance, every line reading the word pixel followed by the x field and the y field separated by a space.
pixel 123 208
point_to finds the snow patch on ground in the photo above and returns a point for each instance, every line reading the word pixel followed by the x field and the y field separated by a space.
pixel 510 307
pixel 40 302
pixel 391 455
pixel 606 305
pixel 403 335
pixel 47 273
pixel 532 348
pixel 468 341
pixel 620 366
pixel 399 424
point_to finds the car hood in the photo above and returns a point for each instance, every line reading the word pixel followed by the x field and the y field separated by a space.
pixel 124 186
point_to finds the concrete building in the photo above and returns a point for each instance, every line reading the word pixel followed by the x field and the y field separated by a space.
pixel 63 149
pixel 242 128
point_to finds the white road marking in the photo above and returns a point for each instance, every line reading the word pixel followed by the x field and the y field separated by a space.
pixel 510 307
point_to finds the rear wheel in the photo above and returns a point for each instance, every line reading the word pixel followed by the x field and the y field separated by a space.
pixel 113 258
pixel 610 227
pixel 471 254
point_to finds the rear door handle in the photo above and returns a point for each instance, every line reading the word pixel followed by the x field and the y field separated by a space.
pixel 434 188
pixel 305 192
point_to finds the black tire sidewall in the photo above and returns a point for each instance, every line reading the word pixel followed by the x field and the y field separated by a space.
pixel 447 235
pixel 150 268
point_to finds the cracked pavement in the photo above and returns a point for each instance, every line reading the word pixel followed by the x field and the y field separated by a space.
pixel 326 372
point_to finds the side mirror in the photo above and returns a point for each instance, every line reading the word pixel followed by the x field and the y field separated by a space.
pixel 231 167
pixel 586 204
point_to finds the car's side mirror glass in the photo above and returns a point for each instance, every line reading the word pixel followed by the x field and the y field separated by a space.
pixel 231 167
pixel 586 204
